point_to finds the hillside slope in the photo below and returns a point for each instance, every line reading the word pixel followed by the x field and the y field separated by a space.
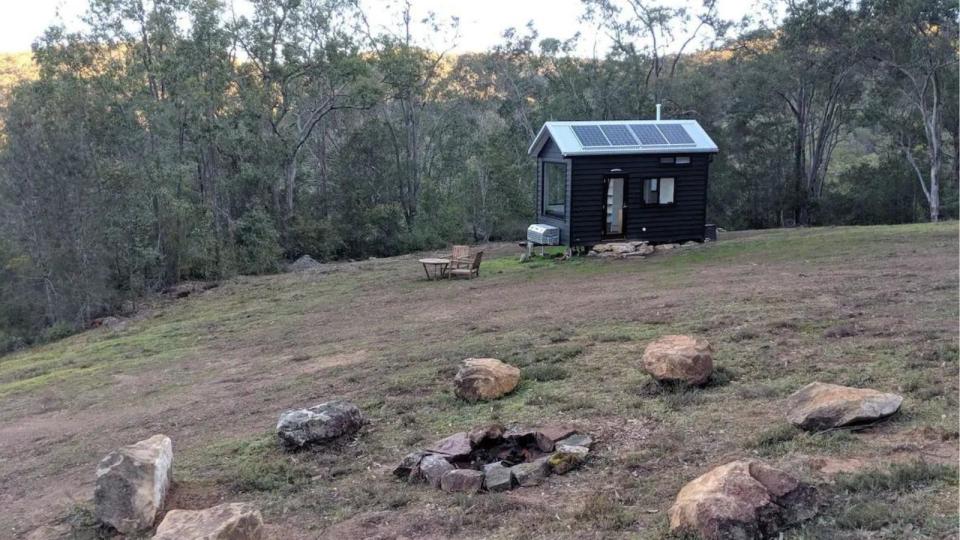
pixel 864 306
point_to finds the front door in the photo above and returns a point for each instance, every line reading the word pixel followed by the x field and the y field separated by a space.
pixel 615 206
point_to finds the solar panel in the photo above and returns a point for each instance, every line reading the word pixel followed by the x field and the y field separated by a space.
pixel 648 134
pixel 618 135
pixel 590 136
pixel 675 134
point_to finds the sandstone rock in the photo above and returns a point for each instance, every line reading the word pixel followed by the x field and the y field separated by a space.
pixel 457 445
pixel 531 473
pixel 132 483
pixel 679 359
pixel 409 467
pixel 496 477
pixel 603 248
pixel 576 439
pixel 665 247
pixel 644 249
pixel 231 521
pixel 822 406
pixel 556 432
pixel 319 424
pixel 567 458
pixel 490 432
pixel 741 500
pixel 51 532
pixel 621 248
pixel 485 378
pixel 462 481
pixel 433 467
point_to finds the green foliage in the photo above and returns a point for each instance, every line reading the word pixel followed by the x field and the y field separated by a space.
pixel 144 151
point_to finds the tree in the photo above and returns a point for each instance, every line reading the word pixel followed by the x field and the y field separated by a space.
pixel 914 43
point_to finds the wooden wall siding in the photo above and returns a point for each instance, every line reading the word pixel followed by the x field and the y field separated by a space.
pixel 684 220
pixel 551 151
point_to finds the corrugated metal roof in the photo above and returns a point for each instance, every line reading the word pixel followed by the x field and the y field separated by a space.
pixel 603 139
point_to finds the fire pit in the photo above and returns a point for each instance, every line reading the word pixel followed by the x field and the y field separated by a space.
pixel 493 458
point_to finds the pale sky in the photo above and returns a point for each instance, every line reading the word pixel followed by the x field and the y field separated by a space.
pixel 482 22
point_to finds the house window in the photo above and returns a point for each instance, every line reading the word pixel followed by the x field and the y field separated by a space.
pixel 658 191
pixel 678 160
pixel 554 188
pixel 683 160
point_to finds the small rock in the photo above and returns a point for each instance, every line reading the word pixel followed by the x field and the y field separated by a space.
pixel 319 424
pixel 231 521
pixel 679 359
pixel 490 432
pixel 742 499
pixel 665 247
pixel 302 264
pixel 462 481
pixel 819 406
pixel 484 379
pixel 433 467
pixel 531 473
pixel 132 483
pixel 577 439
pixel 455 446
pixel 409 467
pixel 496 477
pixel 567 458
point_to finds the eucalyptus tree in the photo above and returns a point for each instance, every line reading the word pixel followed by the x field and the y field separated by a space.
pixel 914 45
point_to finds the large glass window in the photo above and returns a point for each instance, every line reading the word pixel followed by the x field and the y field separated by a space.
pixel 658 191
pixel 554 188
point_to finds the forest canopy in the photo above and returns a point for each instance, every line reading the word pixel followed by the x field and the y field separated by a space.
pixel 172 140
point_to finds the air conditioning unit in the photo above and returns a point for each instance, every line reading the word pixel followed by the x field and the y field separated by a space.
pixel 544 235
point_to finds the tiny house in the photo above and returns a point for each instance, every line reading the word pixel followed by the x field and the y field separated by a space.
pixel 623 180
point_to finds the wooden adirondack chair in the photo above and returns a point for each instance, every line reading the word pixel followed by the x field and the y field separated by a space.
pixel 472 271
pixel 460 258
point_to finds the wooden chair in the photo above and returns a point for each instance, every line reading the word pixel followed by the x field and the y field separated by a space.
pixel 472 271
pixel 460 258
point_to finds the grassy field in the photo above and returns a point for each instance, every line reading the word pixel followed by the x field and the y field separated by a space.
pixel 863 306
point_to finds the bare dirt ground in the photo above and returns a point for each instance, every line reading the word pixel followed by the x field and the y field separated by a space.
pixel 867 306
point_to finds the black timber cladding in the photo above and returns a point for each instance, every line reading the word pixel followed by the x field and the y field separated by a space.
pixel 585 215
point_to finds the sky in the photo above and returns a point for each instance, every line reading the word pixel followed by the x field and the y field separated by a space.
pixel 482 22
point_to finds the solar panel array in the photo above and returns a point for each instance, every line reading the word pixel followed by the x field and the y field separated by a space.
pixel 619 135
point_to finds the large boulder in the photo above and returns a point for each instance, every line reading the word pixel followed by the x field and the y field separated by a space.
pixel 327 421
pixel 231 521
pixel 741 500
pixel 485 378
pixel 132 483
pixel 820 405
pixel 679 359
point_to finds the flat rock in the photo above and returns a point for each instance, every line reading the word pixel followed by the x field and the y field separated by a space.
pixel 485 379
pixel 462 481
pixel 132 483
pixel 231 521
pixel 741 500
pixel 531 473
pixel 457 445
pixel 320 424
pixel 576 439
pixel 496 477
pixel 819 406
pixel 433 467
pixel 679 359
pixel 566 458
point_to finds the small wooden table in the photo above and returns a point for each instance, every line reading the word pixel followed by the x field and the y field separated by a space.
pixel 439 267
